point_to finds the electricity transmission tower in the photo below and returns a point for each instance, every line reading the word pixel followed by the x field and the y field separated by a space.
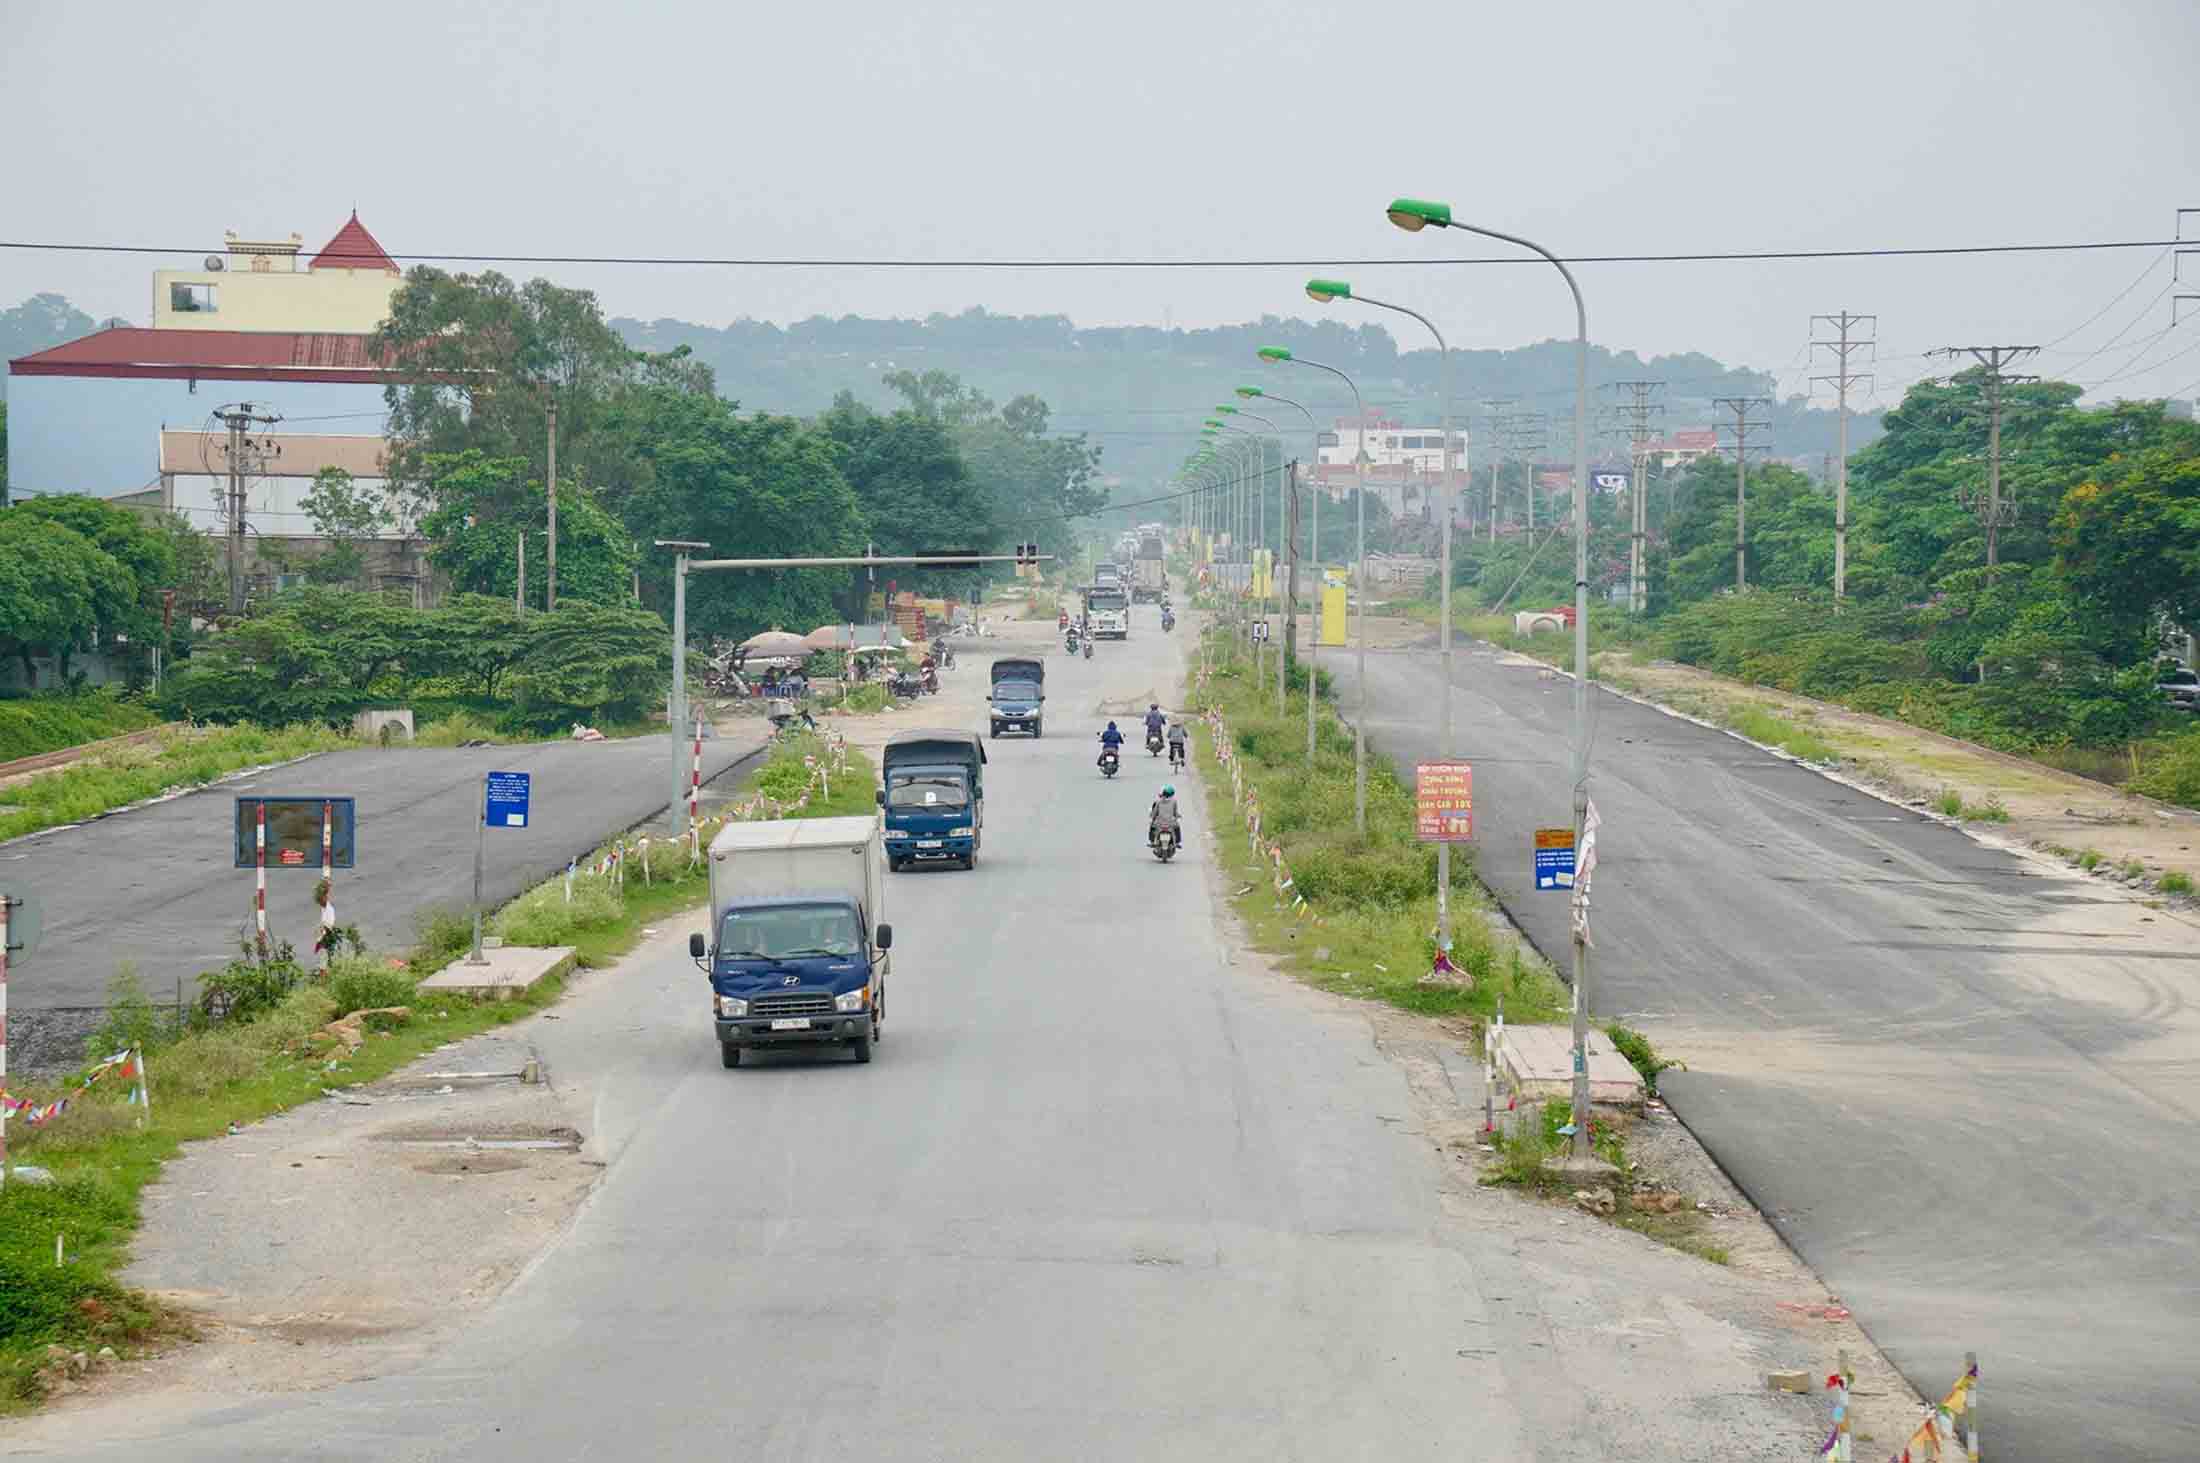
pixel 1635 410
pixel 1843 345
pixel 245 456
pixel 1526 435
pixel 1992 359
pixel 1500 420
pixel 1744 444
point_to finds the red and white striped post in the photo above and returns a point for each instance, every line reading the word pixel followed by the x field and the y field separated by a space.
pixel 3 1040
pixel 328 885
pixel 259 894
pixel 695 798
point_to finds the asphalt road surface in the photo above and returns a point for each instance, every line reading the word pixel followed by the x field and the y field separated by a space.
pixel 156 886
pixel 1104 1193
pixel 1963 1085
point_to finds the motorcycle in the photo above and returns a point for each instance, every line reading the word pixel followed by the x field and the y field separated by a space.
pixel 1168 620
pixel 1110 763
pixel 1153 742
pixel 1088 647
pixel 1071 643
pixel 931 681
pixel 1164 844
pixel 906 684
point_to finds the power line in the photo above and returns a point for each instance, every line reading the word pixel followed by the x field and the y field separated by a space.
pixel 699 261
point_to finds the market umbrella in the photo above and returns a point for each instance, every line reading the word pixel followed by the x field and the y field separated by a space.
pixel 773 644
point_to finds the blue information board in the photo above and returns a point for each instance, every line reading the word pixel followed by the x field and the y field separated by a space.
pixel 1554 858
pixel 294 832
pixel 506 800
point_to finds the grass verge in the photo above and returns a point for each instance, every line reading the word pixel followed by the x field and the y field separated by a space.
pixel 1524 1160
pixel 207 1077
pixel 185 757
pixel 1374 895
pixel 30 725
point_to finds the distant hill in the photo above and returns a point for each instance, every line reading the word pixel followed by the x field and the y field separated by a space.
pixel 1141 391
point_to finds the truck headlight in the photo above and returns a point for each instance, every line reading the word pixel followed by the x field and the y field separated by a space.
pixel 852 1001
pixel 732 1006
pixel 962 832
pixel 897 833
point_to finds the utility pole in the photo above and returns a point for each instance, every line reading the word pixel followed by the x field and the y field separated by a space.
pixel 677 717
pixel 1843 345
pixel 1500 430
pixel 1744 444
pixel 519 598
pixel 1527 434
pixel 1635 410
pixel 246 456
pixel 1991 359
pixel 550 548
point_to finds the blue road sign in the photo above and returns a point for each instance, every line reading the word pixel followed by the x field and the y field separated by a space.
pixel 1554 858
pixel 506 806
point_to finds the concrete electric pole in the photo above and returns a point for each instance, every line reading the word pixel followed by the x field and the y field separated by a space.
pixel 1845 343
pixel 1635 410
pixel 245 456
pixel 550 545
pixel 1991 360
pixel 1744 444
pixel 1500 429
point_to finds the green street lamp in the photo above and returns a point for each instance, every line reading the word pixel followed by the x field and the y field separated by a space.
pixel 1414 215
pixel 1337 289
pixel 1278 355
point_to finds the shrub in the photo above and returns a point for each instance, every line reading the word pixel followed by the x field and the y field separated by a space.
pixel 542 916
pixel 256 982
pixel 47 723
pixel 1950 803
pixel 441 932
pixel 359 984
pixel 2089 859
pixel 132 1019
pixel 2170 771
pixel 2176 881
pixel 1636 1047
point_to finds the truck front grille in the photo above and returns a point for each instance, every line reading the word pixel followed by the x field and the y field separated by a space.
pixel 797 1003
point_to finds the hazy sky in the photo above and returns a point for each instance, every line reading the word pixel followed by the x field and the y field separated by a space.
pixel 1187 130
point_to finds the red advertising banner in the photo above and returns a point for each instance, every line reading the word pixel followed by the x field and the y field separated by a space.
pixel 1444 802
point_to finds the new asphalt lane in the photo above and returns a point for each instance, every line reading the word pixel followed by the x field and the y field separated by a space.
pixel 156 886
pixel 1965 1086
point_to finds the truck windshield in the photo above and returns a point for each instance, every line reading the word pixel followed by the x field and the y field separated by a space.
pixel 1105 601
pixel 788 931
pixel 1016 691
pixel 927 789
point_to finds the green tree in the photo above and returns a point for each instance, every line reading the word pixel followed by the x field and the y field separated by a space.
pixel 310 654
pixel 52 581
pixel 593 661
pixel 757 487
pixel 914 488
pixel 127 604
pixel 477 640
pixel 347 516
pixel 1789 528
pixel 478 506
pixel 2128 538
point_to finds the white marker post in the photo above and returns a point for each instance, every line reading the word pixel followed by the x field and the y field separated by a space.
pixel 328 886
pixel 259 859
pixel 5 902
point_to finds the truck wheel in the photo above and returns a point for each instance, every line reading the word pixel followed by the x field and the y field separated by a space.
pixel 860 1048
pixel 1035 729
pixel 729 1055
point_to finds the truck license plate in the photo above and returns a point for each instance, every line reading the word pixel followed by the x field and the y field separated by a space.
pixel 792 1023
pixel 928 843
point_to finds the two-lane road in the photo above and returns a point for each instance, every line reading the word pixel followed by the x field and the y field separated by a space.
pixel 1965 1087
pixel 1106 1192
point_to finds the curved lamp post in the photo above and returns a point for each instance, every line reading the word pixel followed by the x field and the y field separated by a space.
pixel 1323 291
pixel 1279 355
pixel 1414 215
pixel 1314 547
pixel 1260 528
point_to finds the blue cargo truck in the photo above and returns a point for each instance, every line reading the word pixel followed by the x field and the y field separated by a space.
pixel 1017 701
pixel 932 788
pixel 796 953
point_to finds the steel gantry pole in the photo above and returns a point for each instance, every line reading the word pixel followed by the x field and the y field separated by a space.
pixel 1413 215
pixel 1325 290
pixel 1359 572
pixel 1313 630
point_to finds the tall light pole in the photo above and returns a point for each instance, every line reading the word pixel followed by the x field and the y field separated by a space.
pixel 1314 551
pixel 1255 513
pixel 1234 515
pixel 1323 291
pixel 1359 551
pixel 1276 433
pixel 1413 215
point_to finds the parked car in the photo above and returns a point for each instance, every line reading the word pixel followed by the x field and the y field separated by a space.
pixel 2180 687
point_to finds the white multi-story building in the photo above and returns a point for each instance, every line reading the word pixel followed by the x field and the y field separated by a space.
pixel 1404 463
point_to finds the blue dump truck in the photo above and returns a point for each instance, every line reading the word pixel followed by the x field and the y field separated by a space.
pixel 797 950
pixel 1018 698
pixel 932 786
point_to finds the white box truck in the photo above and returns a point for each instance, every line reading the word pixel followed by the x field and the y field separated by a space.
pixel 798 942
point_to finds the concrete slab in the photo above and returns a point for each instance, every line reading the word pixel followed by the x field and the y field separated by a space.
pixel 505 969
pixel 1538 1061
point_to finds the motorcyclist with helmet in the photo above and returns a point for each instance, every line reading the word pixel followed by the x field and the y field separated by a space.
pixel 1155 721
pixel 1111 740
pixel 1164 814
pixel 1178 751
